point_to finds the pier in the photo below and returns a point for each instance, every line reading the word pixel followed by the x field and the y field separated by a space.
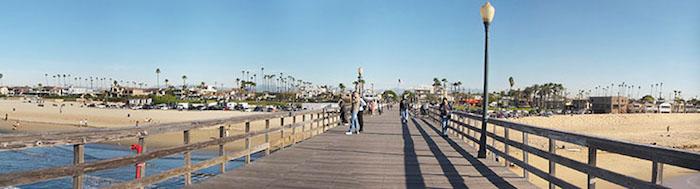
pixel 308 149
pixel 388 154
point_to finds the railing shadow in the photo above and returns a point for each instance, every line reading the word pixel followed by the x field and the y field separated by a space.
pixel 414 176
pixel 446 165
pixel 483 169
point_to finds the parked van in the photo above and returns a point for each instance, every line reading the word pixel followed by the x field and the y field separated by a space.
pixel 231 106
pixel 664 108
pixel 183 106
pixel 242 106
pixel 649 108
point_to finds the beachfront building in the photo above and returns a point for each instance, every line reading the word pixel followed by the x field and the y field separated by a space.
pixel 77 91
pixel 423 92
pixel 139 101
pixel 579 105
pixel 609 104
pixel 635 107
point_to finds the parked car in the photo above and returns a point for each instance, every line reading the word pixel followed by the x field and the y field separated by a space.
pixel 242 106
pixel 664 108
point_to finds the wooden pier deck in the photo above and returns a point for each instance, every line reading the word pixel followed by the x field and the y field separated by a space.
pixel 387 154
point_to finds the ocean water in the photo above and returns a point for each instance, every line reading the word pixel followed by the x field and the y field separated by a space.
pixel 37 158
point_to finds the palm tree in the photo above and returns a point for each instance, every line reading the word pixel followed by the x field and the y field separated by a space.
pixel 1 79
pixel 262 73
pixel 511 82
pixel 444 84
pixel 64 80
pixel 184 81
pixel 255 78
pixel 459 86
pixel 158 77
pixel 436 83
pixel 342 88
pixel 166 83
pixel 661 89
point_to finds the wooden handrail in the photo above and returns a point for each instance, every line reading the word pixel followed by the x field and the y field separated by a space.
pixel 21 141
pixel 80 138
pixel 656 154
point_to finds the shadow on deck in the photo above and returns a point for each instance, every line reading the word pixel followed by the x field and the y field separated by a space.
pixel 388 154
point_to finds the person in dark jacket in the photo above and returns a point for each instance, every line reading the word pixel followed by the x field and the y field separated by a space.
pixel 343 112
pixel 403 108
pixel 445 111
pixel 360 115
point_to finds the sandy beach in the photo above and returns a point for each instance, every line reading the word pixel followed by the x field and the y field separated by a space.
pixel 683 133
pixel 33 119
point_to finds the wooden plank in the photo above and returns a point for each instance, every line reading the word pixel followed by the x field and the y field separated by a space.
pixel 187 157
pixel 222 131
pixel 552 165
pixel 267 135
pixel 78 158
pixel 592 161
pixel 247 143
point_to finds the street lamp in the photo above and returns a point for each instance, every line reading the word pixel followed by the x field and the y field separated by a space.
pixel 360 86
pixel 487 11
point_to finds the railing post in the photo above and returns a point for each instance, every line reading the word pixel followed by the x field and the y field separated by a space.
pixel 525 156
pixel 267 136
pixel 247 142
pixel 469 132
pixel 311 126
pixel 303 127
pixel 592 158
pixel 222 167
pixel 461 128
pixel 552 168
pixel 78 158
pixel 318 123
pixel 657 172
pixel 187 157
pixel 505 143
pixel 142 142
pixel 323 129
pixel 493 140
pixel 282 132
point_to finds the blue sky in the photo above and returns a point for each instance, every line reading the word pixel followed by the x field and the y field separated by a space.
pixel 579 43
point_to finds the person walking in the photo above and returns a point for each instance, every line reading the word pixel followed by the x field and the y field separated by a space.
pixel 403 110
pixel 445 111
pixel 355 109
pixel 360 114
pixel 343 112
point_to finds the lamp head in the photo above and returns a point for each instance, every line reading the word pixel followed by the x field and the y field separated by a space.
pixel 487 13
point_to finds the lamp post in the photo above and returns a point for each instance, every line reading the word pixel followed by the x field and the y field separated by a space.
pixel 360 86
pixel 487 12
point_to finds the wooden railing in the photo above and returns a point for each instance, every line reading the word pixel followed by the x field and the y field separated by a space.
pixel 467 126
pixel 313 122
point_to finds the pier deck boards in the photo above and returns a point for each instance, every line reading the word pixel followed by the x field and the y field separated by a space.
pixel 387 155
